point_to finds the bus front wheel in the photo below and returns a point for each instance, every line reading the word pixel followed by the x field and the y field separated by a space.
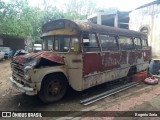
pixel 53 88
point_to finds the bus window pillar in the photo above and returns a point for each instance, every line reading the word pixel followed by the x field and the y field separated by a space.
pixel 99 18
pixel 116 21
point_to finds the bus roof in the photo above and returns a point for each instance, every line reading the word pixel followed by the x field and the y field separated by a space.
pixel 88 27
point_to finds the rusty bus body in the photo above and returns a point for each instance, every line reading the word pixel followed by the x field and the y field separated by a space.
pixel 81 55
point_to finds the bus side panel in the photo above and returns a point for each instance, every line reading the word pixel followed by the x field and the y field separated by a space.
pixel 100 68
pixel 107 66
pixel 74 70
pixel 111 60
pixel 92 63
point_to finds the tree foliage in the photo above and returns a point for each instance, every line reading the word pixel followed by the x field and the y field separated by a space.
pixel 12 19
pixel 17 17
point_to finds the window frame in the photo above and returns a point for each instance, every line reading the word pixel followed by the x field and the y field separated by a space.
pixel 146 43
pixel 45 42
pixel 126 37
pixel 112 35
pixel 96 39
pixel 140 43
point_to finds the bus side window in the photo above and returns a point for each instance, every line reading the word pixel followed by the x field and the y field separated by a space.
pixel 108 42
pixel 90 43
pixel 50 45
pixel 144 43
pixel 126 43
pixel 137 43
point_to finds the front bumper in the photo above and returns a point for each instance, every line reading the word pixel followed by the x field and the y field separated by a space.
pixel 25 89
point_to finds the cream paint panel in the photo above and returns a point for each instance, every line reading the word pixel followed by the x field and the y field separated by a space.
pixel 37 75
pixel 74 70
pixel 150 17
pixel 75 79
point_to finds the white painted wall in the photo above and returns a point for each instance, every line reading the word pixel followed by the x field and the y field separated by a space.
pixel 150 17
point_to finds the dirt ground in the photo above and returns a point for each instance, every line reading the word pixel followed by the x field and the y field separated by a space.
pixel 140 98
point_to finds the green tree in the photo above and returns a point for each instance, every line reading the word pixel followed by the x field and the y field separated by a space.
pixel 18 18
pixel 79 9
pixel 12 20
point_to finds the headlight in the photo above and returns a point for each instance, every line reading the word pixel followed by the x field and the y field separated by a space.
pixel 26 73
pixel 29 65
pixel 26 69
pixel 27 77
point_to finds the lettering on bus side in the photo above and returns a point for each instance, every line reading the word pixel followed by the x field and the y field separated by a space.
pixel 111 60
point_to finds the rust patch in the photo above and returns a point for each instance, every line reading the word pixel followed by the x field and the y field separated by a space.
pixel 132 58
pixel 52 57
pixel 139 54
pixel 146 55
pixel 92 63
pixel 95 62
pixel 111 60
pixel 22 59
pixel 123 57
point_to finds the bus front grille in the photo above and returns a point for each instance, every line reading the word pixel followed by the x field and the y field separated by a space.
pixel 18 69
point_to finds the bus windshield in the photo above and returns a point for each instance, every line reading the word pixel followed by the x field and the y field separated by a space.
pixel 59 43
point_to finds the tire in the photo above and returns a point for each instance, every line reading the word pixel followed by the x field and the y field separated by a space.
pixel 53 88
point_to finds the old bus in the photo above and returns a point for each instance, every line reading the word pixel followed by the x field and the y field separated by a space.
pixel 81 55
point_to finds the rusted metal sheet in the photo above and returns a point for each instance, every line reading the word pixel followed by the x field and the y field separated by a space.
pixel 139 54
pixel 46 55
pixel 92 63
pixel 146 55
pixel 52 57
pixel 111 60
pixel 22 59
pixel 131 58
pixel 106 29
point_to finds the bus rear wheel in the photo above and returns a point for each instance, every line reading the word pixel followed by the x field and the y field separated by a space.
pixel 53 88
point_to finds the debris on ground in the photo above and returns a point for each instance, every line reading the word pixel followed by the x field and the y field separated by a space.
pixel 151 80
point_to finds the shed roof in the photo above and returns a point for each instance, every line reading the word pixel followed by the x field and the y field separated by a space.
pixel 5 36
pixel 148 4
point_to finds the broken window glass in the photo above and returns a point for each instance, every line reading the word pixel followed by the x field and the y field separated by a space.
pixel 126 43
